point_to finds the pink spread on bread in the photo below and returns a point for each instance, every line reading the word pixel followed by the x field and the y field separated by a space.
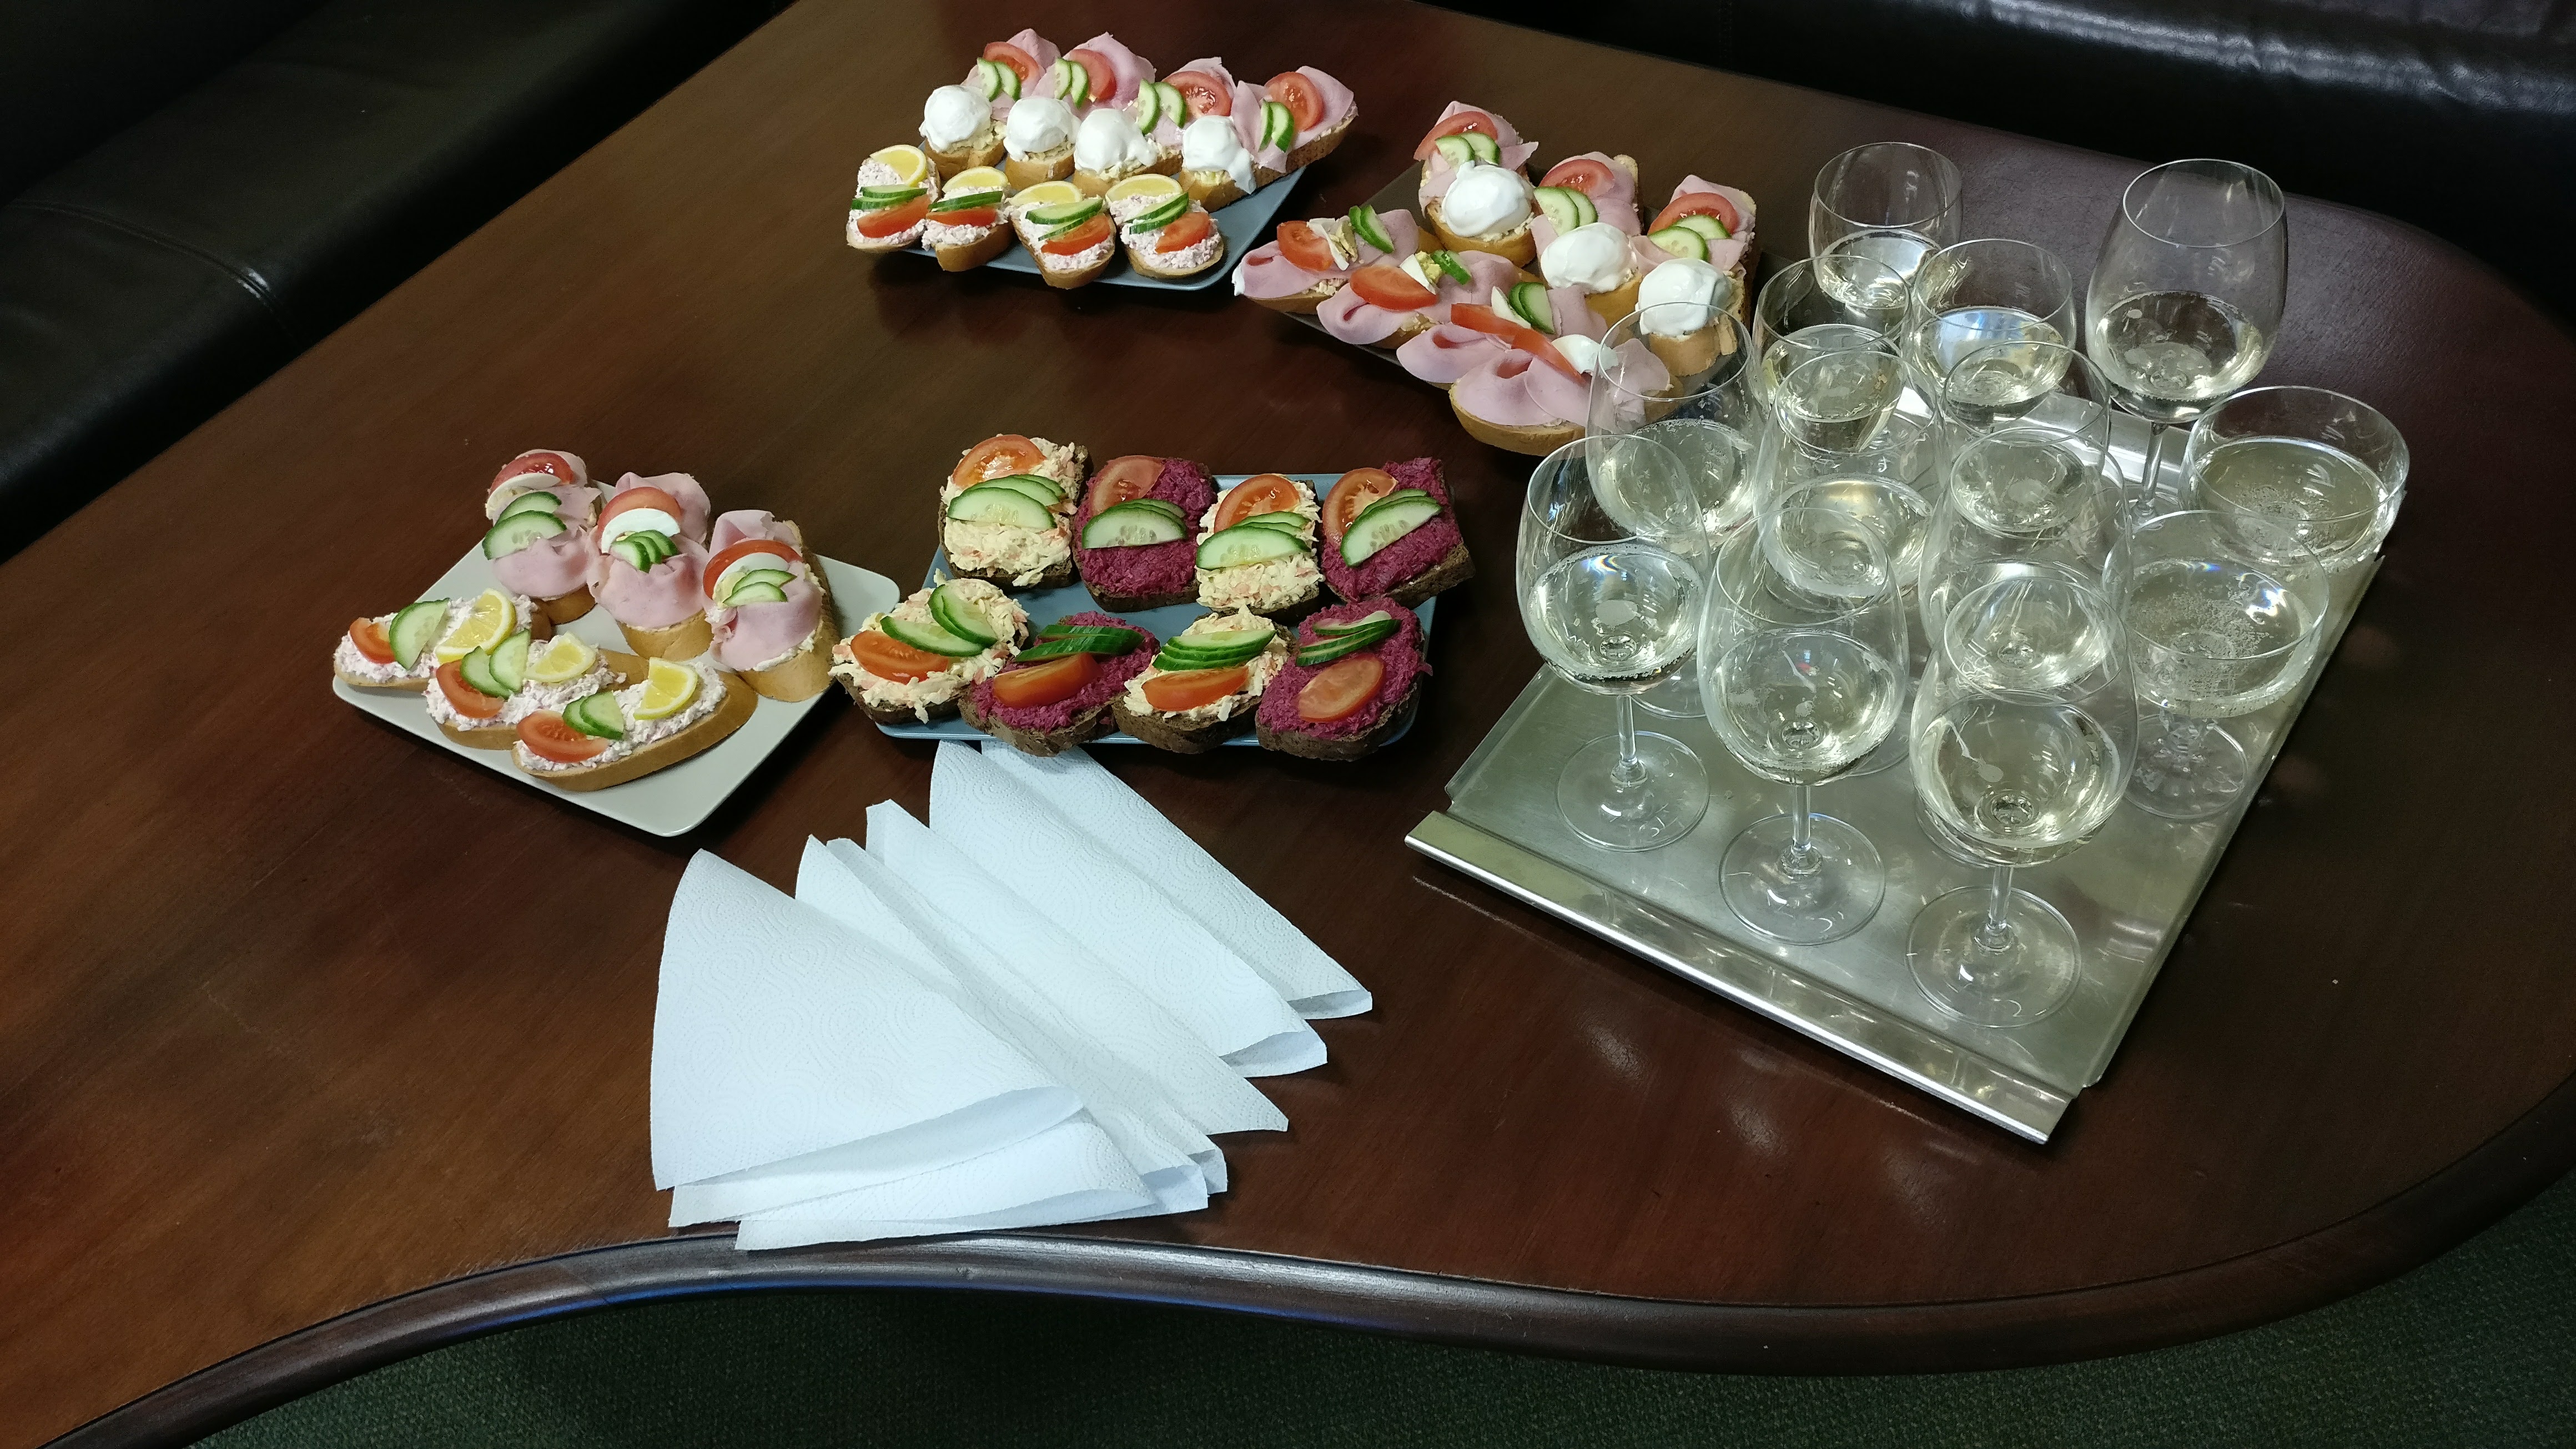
pixel 1401 655
pixel 1410 556
pixel 1106 685
pixel 1153 568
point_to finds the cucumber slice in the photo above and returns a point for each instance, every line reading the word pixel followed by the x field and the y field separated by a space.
pixel 1383 523
pixel 1042 490
pixel 1227 639
pixel 1092 641
pixel 1558 205
pixel 1455 150
pixel 1325 651
pixel 755 593
pixel 531 503
pixel 658 542
pixel 637 551
pixel 878 199
pixel 510 661
pixel 1149 107
pixel 1126 525
pixel 1174 659
pixel 1175 109
pixel 597 715
pixel 775 578
pixel 930 638
pixel 965 202
pixel 1058 633
pixel 1346 626
pixel 477 669
pixel 1285 522
pixel 1247 543
pixel 985 503
pixel 1365 225
pixel 415 629
pixel 516 531
pixel 958 615
pixel 1278 125
pixel 1072 82
pixel 1056 214
pixel 1706 225
pixel 1530 304
pixel 1681 241
pixel 1485 148
pixel 997 79
pixel 1452 268
pixel 1162 216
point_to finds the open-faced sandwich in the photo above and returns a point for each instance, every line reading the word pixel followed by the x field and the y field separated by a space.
pixel 1494 214
pixel 1257 549
pixel 540 509
pixel 1295 120
pixel 915 661
pixel 961 125
pixel 1392 533
pixel 1167 234
pixel 615 735
pixel 1582 190
pixel 1099 74
pixel 1006 511
pixel 1521 387
pixel 1706 222
pixel 1107 149
pixel 1309 261
pixel 1056 694
pixel 1037 141
pixel 403 649
pixel 1679 306
pixel 1388 304
pixel 1163 110
pixel 649 568
pixel 478 700
pixel 1070 233
pixel 1600 264
pixel 1136 534
pixel 1204 684
pixel 769 610
pixel 895 188
pixel 1355 671
pixel 1216 167
pixel 965 228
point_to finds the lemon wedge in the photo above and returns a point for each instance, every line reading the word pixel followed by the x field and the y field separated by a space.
pixel 974 179
pixel 491 619
pixel 560 658
pixel 1046 193
pixel 1148 188
pixel 911 167
pixel 667 690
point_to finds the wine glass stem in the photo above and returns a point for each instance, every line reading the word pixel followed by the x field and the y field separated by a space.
pixel 1630 773
pixel 1799 858
pixel 1995 933
pixel 2185 741
pixel 2152 468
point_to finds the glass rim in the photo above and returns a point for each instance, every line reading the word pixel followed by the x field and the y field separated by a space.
pixel 1944 168
pixel 2289 541
pixel 2392 473
pixel 2274 198
pixel 2098 385
pixel 1719 378
pixel 2056 263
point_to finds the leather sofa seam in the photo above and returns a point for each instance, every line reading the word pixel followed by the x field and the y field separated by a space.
pixel 247 279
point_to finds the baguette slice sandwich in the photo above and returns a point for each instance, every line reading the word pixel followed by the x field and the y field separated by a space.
pixel 610 737
pixel 479 700
pixel 965 227
pixel 403 649
pixel 1057 693
pixel 769 608
pixel 896 188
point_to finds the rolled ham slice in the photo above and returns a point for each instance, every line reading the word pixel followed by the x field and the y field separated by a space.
pixel 1352 318
pixel 1617 201
pixel 1339 103
pixel 1437 173
pixel 1448 352
pixel 1039 49
pixel 1167 131
pixel 756 636
pixel 1132 70
pixel 672 592
pixel 694 508
pixel 1517 390
pixel 1247 129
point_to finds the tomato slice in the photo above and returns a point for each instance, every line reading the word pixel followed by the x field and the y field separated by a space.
pixel 538 460
pixel 1057 679
pixel 1340 688
pixel 1193 227
pixel 1306 248
pixel 1014 57
pixel 549 738
pixel 998 456
pixel 735 553
pixel 1528 339
pixel 1582 173
pixel 1299 93
pixel 887 657
pixel 1259 494
pixel 1123 480
pixel 1082 238
pixel 894 218
pixel 1190 688
pixel 1700 203
pixel 372 644
pixel 1104 76
pixel 635 498
pixel 1351 497
pixel 469 701
pixel 1462 122
pixel 1386 285
pixel 971 216
pixel 1204 94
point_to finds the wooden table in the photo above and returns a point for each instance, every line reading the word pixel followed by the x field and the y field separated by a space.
pixel 299 1015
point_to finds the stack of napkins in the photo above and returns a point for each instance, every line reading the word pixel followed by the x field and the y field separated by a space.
pixel 1038 1008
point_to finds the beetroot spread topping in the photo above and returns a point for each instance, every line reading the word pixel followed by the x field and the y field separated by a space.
pixel 1115 671
pixel 1154 568
pixel 1408 557
pixel 1402 656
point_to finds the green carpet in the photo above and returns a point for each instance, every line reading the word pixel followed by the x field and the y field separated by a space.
pixel 2477 1348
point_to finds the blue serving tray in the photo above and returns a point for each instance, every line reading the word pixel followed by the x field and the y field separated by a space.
pixel 1241 224
pixel 1045 606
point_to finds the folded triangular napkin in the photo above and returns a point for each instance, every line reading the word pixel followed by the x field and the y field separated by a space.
pixel 1069 1173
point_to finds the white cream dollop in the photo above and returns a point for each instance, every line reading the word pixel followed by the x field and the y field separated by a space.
pixel 1037 125
pixel 1109 142
pixel 1584 352
pixel 1593 257
pixel 953 116
pixel 1210 144
pixel 1485 201
pixel 1679 297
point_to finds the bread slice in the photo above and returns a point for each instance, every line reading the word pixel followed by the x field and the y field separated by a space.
pixel 354 682
pixel 1158 730
pixel 1050 166
pixel 1617 303
pixel 1092 183
pixel 739 702
pixel 983 150
pixel 1454 568
pixel 1536 440
pixel 1320 145
pixel 1314 747
pixel 974 253
pixel 1304 303
pixel 1143 261
pixel 564 608
pixel 900 714
pixel 623 669
pixel 686 639
pixel 1089 725
pixel 1057 575
pixel 1516 246
pixel 1212 189
pixel 1137 603
pixel 1690 355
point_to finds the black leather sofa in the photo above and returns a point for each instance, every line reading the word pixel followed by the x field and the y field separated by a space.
pixel 2456 115
pixel 199 189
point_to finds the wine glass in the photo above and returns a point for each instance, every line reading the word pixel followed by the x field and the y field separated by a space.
pixel 1682 375
pixel 1822 305
pixel 2022 503
pixel 2224 613
pixel 1979 293
pixel 2045 386
pixel 1837 401
pixel 1890 201
pixel 2187 293
pixel 1610 600
pixel 2328 468
pixel 1802 650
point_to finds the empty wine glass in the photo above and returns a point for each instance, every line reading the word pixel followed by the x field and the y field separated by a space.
pixel 1612 603
pixel 1891 201
pixel 2186 296
pixel 2329 469
pixel 1979 293
pixel 1682 375
pixel 1802 650
pixel 1823 305
pixel 2224 614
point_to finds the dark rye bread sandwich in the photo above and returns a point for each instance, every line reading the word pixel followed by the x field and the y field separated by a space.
pixel 1392 533
pixel 1353 677
pixel 1136 535
pixel 1056 693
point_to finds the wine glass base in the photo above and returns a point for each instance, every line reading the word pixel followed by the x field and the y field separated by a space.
pixel 1675 696
pixel 2019 981
pixel 2192 783
pixel 1835 894
pixel 1657 809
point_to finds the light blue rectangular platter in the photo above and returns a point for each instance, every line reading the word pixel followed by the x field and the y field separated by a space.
pixel 1241 224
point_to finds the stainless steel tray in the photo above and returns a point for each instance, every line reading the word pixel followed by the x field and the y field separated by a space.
pixel 2128 893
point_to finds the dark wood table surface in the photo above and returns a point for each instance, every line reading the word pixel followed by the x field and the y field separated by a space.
pixel 298 1015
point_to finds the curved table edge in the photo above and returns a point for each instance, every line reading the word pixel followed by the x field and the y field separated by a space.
pixel 2302 1273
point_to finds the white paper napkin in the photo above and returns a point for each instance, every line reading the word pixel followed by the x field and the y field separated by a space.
pixel 1085 1177
pixel 1120 821
pixel 779 1034
pixel 1120 917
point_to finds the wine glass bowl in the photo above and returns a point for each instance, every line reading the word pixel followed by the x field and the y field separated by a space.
pixel 1890 201
pixel 1977 294
pixel 1837 401
pixel 2329 469
pixel 1826 304
pixel 2187 293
